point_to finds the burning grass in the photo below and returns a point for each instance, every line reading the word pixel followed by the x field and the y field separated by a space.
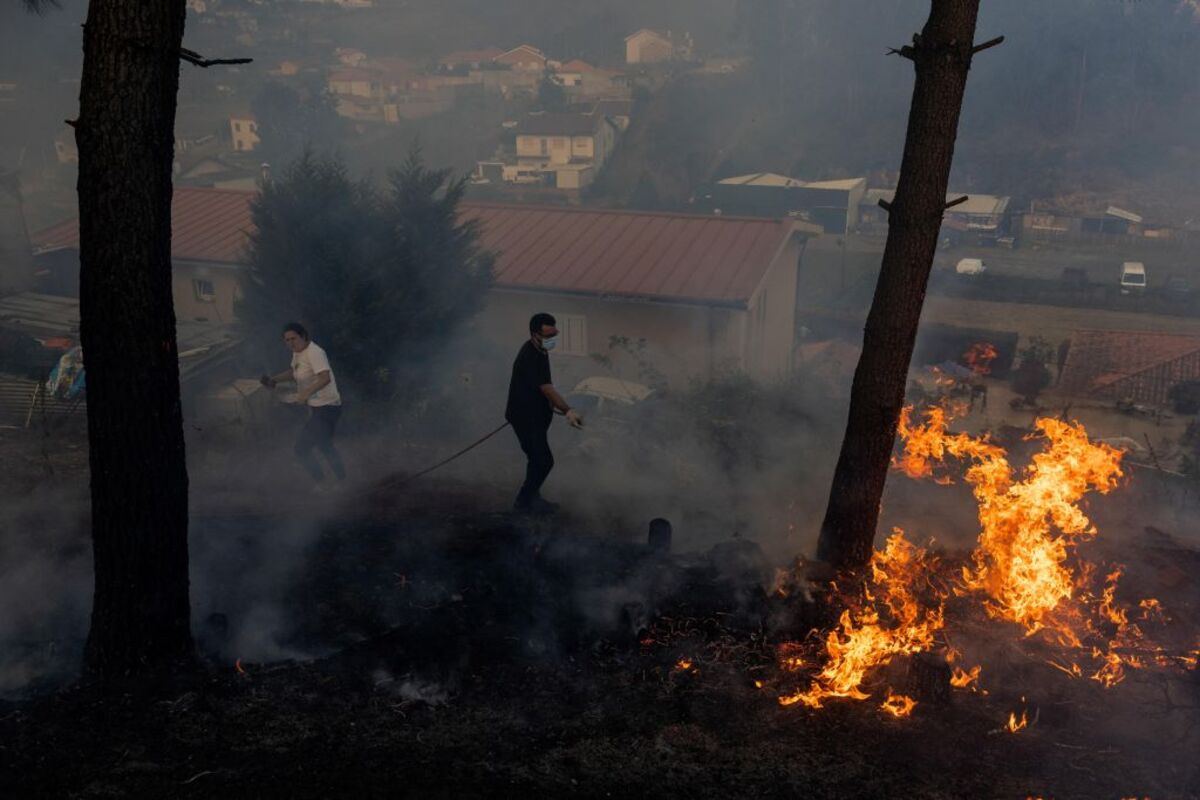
pixel 1026 573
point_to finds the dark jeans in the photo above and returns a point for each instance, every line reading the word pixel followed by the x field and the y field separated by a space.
pixel 539 460
pixel 317 434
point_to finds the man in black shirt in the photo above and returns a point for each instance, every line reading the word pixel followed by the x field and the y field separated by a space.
pixel 532 401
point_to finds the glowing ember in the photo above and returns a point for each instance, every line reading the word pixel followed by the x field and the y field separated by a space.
pixel 683 664
pixel 238 666
pixel 898 705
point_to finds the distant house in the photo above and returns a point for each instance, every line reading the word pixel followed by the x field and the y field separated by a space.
pixel 981 213
pixel 1129 365
pixel 350 56
pixel 244 133
pixel 287 68
pixel 649 46
pixel 362 83
pixel 469 59
pixel 560 149
pixel 524 58
pixel 705 293
pixel 208 238
pixel 834 205
pixel 1098 224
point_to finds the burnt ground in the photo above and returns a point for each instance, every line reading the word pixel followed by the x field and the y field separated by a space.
pixel 440 650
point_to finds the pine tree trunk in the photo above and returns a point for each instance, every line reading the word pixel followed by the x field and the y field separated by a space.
pixel 125 133
pixel 941 54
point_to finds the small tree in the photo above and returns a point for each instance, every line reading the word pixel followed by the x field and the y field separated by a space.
pixel 1185 397
pixel 380 279
pixel 551 94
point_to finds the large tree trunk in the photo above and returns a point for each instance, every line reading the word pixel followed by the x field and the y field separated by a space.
pixel 125 132
pixel 942 56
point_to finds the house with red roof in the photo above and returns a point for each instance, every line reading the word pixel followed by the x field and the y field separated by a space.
pixel 208 239
pixel 704 293
pixel 701 293
pixel 523 58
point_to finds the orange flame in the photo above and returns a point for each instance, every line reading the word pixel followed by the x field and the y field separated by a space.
pixel 683 664
pixel 962 679
pixel 898 705
pixel 238 666
pixel 890 622
pixel 1016 723
pixel 1024 568
pixel 979 357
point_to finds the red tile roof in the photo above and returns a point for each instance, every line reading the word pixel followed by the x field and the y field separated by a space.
pixel 678 257
pixel 1137 364
pixel 206 225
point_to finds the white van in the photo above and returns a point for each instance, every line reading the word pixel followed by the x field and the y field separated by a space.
pixel 1133 277
pixel 970 266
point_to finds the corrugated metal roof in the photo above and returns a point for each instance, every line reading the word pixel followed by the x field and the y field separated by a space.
pixel 208 225
pixel 1100 361
pixel 676 257
pixel 762 179
pixel 44 316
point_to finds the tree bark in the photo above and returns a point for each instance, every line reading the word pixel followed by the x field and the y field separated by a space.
pixel 941 54
pixel 125 132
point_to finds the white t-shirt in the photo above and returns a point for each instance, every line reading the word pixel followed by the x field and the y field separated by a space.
pixel 306 365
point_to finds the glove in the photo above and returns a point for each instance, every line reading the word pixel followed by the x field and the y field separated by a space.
pixel 573 418
pixel 267 381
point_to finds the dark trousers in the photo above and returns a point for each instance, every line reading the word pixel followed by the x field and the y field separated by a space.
pixel 317 434
pixel 539 460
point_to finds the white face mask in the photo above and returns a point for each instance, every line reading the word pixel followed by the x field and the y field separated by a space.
pixel 550 343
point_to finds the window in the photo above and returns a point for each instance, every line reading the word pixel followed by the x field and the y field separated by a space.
pixel 237 127
pixel 204 290
pixel 542 144
pixel 572 335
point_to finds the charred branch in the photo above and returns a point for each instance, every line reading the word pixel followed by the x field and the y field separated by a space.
pixel 956 202
pixel 979 48
pixel 192 57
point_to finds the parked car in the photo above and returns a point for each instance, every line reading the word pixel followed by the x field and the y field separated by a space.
pixel 1133 277
pixel 970 266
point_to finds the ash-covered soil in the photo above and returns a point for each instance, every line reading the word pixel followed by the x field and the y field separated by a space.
pixel 420 645
pixel 475 655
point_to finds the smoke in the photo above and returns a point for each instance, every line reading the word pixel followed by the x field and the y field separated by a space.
pixel 45 586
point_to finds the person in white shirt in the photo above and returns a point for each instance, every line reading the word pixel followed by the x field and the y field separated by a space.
pixel 317 389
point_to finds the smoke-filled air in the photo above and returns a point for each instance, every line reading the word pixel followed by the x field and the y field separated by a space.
pixel 543 398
